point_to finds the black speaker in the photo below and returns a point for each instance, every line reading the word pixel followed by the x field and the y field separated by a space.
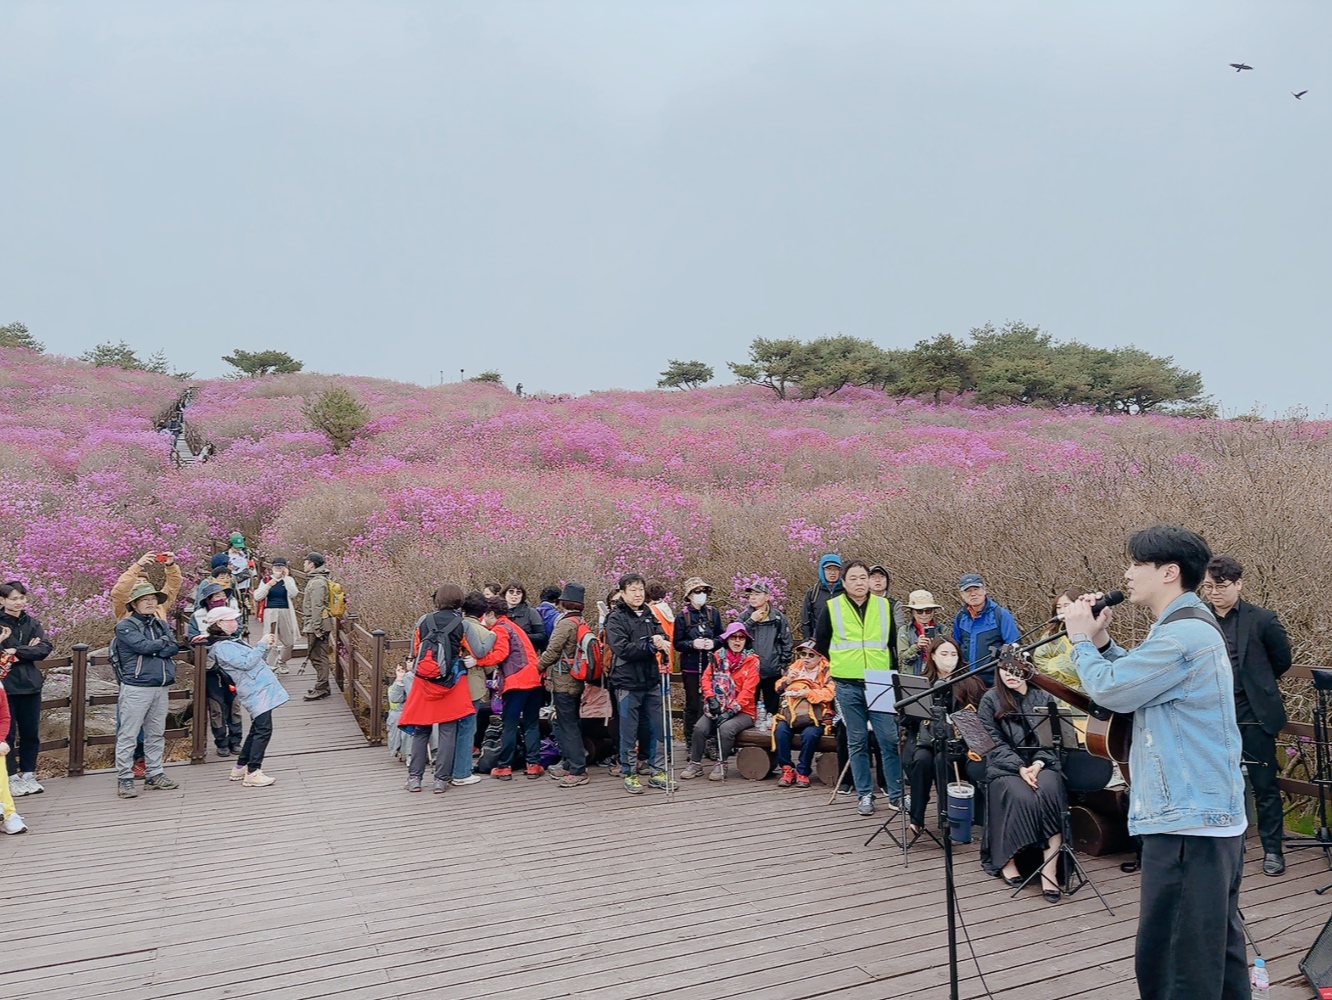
pixel 1317 965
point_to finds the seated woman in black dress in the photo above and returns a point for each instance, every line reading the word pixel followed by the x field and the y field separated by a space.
pixel 943 658
pixel 1026 797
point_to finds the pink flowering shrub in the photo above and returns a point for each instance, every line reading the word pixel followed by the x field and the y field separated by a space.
pixel 467 482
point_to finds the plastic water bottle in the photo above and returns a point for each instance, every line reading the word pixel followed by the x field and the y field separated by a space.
pixel 1259 977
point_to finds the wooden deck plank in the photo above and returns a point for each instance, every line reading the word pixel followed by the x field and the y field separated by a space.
pixel 337 883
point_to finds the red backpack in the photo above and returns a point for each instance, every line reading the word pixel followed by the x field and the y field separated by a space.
pixel 590 655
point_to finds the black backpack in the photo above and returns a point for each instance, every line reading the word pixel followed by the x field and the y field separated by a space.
pixel 437 658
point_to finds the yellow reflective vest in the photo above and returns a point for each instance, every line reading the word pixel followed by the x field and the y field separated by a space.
pixel 859 645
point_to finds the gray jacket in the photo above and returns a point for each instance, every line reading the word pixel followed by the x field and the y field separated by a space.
pixel 315 605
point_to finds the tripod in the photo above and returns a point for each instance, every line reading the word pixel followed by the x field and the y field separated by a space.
pixel 1072 867
pixel 1322 837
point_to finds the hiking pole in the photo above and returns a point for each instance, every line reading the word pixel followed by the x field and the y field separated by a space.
pixel 666 719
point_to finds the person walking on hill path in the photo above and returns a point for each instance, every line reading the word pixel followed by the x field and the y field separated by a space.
pixel 315 624
pixel 982 626
pixel 697 635
pixel 828 586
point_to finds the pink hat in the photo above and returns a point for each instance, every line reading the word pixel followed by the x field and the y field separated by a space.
pixel 735 628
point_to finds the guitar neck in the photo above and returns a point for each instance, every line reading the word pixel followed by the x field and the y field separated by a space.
pixel 1061 691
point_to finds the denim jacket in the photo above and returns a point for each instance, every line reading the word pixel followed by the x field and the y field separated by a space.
pixel 1185 758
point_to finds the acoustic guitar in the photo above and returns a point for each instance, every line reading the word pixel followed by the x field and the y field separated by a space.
pixel 1109 734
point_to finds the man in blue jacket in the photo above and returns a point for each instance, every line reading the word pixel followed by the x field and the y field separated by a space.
pixel 141 655
pixel 981 625
pixel 1186 801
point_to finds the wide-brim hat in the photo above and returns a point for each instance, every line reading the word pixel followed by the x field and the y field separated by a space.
pixel 573 593
pixel 735 628
pixel 922 600
pixel 696 583
pixel 145 590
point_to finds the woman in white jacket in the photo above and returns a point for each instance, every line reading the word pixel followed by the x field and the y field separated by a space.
pixel 278 591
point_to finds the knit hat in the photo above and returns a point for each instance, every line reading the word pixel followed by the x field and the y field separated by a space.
pixel 695 583
pixel 573 593
pixel 237 540
pixel 221 614
pixel 735 628
pixel 145 590
pixel 219 561
pixel 922 600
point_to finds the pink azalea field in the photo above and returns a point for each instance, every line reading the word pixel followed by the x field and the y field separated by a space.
pixel 470 483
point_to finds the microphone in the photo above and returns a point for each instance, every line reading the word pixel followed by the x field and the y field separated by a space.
pixel 1108 601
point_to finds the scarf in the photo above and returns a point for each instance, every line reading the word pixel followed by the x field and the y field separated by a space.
pixel 724 688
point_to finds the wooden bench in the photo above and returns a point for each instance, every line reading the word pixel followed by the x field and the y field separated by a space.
pixel 755 758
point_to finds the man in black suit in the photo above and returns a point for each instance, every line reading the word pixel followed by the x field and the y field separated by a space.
pixel 1259 653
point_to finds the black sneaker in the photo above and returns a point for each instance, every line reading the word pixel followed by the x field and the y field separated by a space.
pixel 1274 864
pixel 224 751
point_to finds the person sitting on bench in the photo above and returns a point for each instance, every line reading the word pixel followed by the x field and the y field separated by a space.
pixel 729 682
pixel 806 709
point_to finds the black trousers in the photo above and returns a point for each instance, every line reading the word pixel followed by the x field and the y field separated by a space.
pixel 568 732
pixel 767 692
pixel 25 716
pixel 252 750
pixel 1190 942
pixel 693 706
pixel 1259 749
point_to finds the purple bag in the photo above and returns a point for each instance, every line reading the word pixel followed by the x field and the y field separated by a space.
pixel 549 753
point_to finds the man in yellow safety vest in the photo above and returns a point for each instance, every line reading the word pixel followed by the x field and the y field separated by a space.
pixel 855 633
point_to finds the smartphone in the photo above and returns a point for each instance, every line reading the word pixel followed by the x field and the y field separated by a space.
pixel 931 631
pixel 162 557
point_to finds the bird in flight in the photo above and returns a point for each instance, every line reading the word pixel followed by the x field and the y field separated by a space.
pixel 1241 67
pixel 1299 95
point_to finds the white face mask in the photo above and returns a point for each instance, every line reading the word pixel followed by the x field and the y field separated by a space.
pixel 699 599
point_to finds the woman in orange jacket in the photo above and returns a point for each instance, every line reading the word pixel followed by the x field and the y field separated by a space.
pixel 729 683
pixel 521 692
pixel 807 695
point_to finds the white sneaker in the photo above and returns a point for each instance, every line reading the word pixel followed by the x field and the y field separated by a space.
pixel 237 773
pixel 257 779
pixel 14 824
pixel 18 785
pixel 34 786
pixel 471 779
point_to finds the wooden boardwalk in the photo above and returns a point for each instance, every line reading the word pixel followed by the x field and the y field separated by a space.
pixel 336 883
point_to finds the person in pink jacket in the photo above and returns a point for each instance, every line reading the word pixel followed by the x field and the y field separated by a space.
pixel 729 683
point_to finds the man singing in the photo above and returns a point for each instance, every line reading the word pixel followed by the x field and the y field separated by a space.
pixel 1186 800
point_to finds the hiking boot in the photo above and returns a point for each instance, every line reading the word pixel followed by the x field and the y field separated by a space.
pixel 224 751
pixel 502 773
pixel 692 771
pixel 535 770
pixel 413 783
pixel 14 823
pixel 718 772
pixel 125 789
pixel 238 772
pixel 160 782
pixel 659 780
pixel 574 780
pixel 556 772
pixel 471 779
pixel 441 786
pixel 257 779
pixel 316 695
pixel 140 768
pixel 633 785
pixel 788 777
pixel 802 781
pixel 865 806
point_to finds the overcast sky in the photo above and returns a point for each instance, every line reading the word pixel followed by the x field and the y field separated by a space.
pixel 573 192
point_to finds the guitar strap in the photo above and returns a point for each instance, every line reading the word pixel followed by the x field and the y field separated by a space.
pixel 1197 614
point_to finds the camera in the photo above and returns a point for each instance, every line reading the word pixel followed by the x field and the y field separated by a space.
pixel 163 556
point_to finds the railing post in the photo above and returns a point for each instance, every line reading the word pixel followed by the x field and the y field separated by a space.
pixel 338 673
pixel 78 708
pixel 199 711
pixel 377 690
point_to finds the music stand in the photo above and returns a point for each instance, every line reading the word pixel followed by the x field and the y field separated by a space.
pixel 1322 837
pixel 904 685
pixel 1053 726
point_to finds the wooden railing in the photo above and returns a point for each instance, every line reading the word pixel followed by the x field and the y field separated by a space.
pixel 361 659
pixel 79 701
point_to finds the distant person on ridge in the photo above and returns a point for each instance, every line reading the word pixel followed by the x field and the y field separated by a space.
pixel 828 586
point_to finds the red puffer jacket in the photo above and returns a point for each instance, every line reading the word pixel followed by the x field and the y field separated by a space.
pixel 518 669
pixel 746 677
